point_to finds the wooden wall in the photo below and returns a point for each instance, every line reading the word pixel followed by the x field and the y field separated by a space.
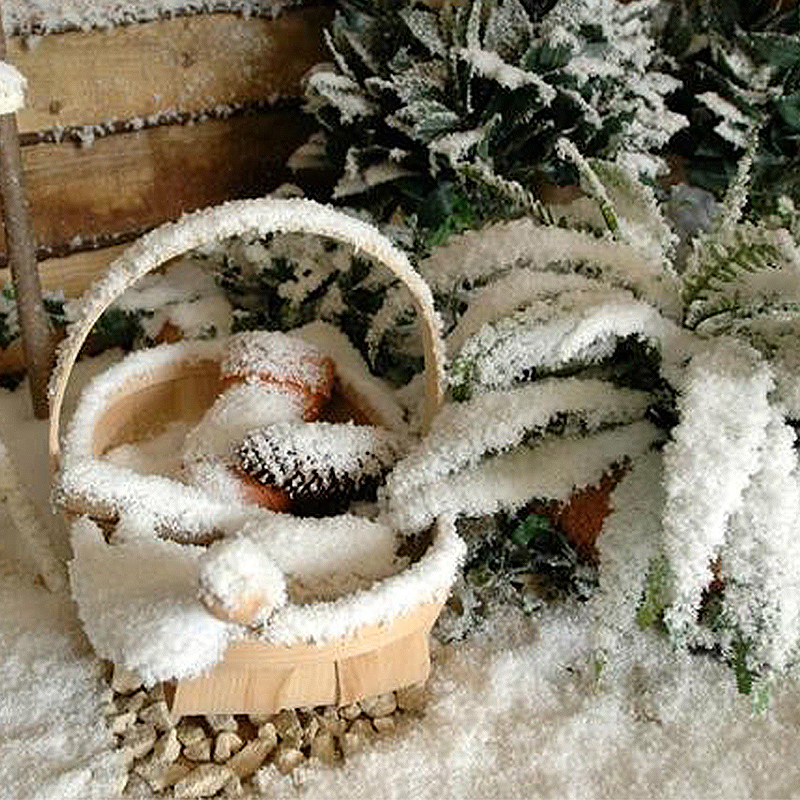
pixel 128 127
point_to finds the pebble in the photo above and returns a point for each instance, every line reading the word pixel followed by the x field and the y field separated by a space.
pixel 162 776
pixel 351 712
pixel 167 748
pixel 124 680
pixel 361 727
pixel 268 733
pixel 188 733
pixel 233 787
pixel 138 740
pixel 203 781
pixel 119 723
pixel 380 706
pixel 287 759
pixel 383 724
pixel 159 715
pixel 286 722
pixel 323 747
pixel 330 721
pixel 310 730
pixel 222 722
pixel 158 770
pixel 350 743
pixel 165 751
pixel 411 698
pixel 226 745
pixel 198 751
pixel 134 702
pixel 250 757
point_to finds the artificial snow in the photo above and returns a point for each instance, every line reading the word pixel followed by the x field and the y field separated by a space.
pixel 26 17
pixel 12 88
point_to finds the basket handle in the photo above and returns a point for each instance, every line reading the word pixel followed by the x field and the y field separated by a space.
pixel 238 218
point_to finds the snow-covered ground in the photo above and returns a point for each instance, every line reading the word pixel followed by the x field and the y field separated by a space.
pixel 516 711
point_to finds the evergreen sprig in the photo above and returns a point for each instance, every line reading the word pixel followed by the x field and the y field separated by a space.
pixel 475 96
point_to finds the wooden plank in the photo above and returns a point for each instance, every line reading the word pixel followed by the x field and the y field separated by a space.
pixel 71 274
pixel 177 66
pixel 131 182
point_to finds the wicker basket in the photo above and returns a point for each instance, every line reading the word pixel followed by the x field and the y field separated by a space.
pixel 256 675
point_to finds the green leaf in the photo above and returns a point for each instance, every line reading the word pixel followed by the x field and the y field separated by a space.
pixel 744 675
pixel 532 529
pixel 789 109
pixel 657 594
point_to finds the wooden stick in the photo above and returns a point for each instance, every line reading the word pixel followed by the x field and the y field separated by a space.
pixel 37 335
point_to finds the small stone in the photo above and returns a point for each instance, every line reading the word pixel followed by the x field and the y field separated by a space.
pixel 134 702
pixel 286 721
pixel 380 706
pixel 198 751
pixel 156 768
pixel 412 698
pixel 383 724
pixel 167 748
pixel 119 723
pixel 162 776
pixel 124 680
pixel 233 787
pixel 189 733
pixel 108 708
pixel 287 759
pixel 268 733
pixel 222 722
pixel 259 719
pixel 203 781
pixel 350 712
pixel 138 741
pixel 310 730
pixel 330 721
pixel 323 747
pixel 226 745
pixel 350 743
pixel 250 757
pixel 362 728
pixel 159 715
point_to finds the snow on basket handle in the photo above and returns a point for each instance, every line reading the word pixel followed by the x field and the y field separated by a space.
pixel 237 218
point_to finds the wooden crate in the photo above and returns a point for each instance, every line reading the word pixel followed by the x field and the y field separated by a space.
pixel 128 127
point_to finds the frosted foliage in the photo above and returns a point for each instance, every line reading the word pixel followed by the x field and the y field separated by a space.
pixel 576 327
pixel 552 468
pixel 626 50
pixel 762 596
pixel 186 295
pixel 490 65
pixel 715 451
pixel 462 433
pixel 12 88
pixel 629 541
pixel 476 256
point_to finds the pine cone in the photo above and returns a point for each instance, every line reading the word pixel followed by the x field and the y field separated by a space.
pixel 322 466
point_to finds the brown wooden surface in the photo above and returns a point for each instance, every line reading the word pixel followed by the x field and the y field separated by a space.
pixel 183 65
pixel 131 182
pixel 74 273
